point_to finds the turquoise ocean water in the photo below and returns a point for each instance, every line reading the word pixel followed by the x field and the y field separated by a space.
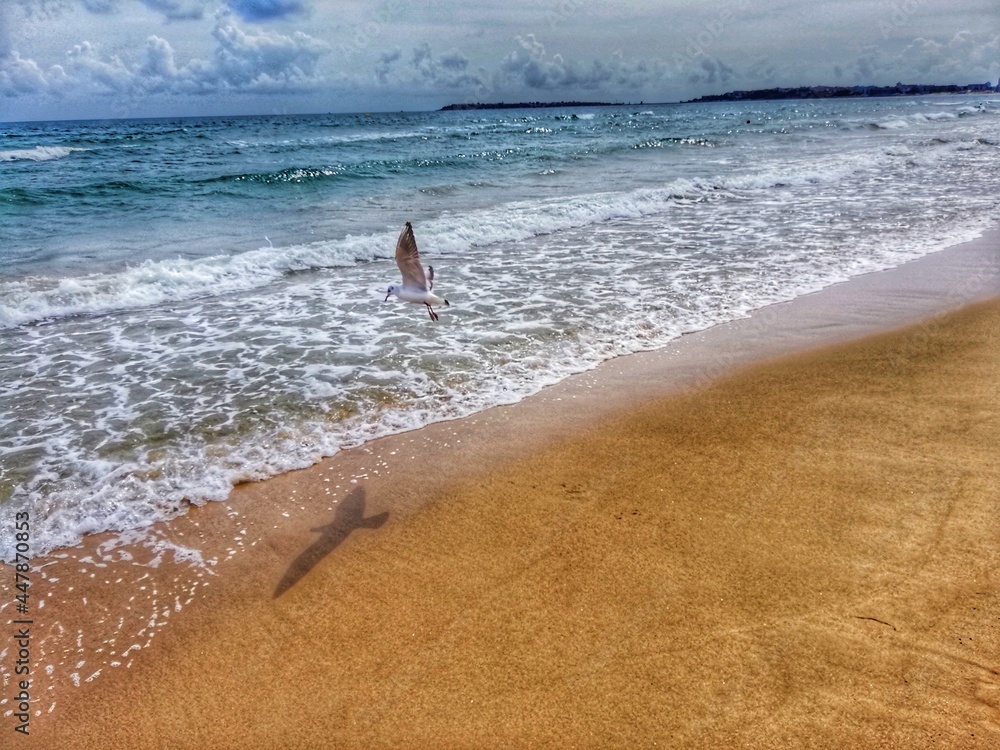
pixel 190 303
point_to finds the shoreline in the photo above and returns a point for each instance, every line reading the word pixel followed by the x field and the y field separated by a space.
pixel 361 488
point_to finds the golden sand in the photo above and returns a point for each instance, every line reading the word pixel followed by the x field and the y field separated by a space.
pixel 802 554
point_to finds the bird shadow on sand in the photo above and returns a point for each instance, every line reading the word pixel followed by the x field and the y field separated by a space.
pixel 350 515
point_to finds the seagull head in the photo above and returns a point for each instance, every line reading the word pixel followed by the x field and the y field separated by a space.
pixel 392 288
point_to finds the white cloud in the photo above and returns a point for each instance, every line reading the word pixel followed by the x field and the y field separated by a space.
pixel 447 70
pixel 20 76
pixel 427 71
pixel 964 58
pixel 262 62
pixel 266 62
pixel 531 66
pixel 528 66
pixel 711 71
pixel 87 66
pixel 963 54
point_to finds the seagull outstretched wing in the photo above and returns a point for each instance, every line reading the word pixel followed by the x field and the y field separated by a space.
pixel 408 260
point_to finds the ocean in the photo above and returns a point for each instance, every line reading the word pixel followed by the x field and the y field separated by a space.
pixel 186 304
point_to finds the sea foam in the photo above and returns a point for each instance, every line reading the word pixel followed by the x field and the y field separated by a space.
pixel 39 153
pixel 154 282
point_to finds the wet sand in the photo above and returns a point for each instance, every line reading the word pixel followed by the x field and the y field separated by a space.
pixel 800 553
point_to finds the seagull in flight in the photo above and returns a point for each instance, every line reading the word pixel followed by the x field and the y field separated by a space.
pixel 417 285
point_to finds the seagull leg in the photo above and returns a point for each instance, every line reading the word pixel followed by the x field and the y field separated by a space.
pixel 430 310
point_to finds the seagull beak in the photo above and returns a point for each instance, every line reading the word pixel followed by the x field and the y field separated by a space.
pixel 389 294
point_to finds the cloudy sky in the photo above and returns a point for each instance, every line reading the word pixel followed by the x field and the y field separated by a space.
pixel 66 59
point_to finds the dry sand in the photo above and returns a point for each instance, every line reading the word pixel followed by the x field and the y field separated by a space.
pixel 801 554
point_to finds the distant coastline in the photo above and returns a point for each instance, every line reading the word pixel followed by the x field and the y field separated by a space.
pixel 830 92
pixel 796 92
pixel 524 105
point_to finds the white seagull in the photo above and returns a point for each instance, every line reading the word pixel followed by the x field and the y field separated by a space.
pixel 416 286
